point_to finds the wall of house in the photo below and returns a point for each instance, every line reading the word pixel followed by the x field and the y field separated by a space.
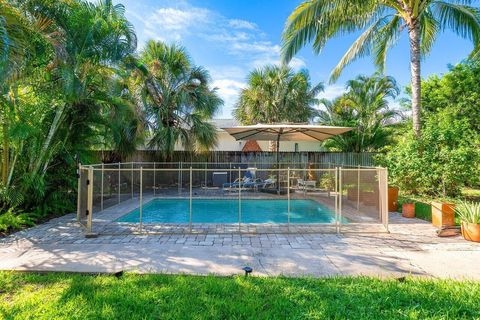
pixel 227 143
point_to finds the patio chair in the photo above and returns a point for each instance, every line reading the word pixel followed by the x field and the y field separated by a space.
pixel 267 183
pixel 306 183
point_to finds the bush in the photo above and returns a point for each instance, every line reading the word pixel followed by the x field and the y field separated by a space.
pixel 444 160
pixel 11 221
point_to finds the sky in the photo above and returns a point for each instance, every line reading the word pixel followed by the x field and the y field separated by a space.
pixel 233 37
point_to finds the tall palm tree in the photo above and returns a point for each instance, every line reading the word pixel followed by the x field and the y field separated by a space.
pixel 381 23
pixel 277 94
pixel 91 41
pixel 177 99
pixel 365 107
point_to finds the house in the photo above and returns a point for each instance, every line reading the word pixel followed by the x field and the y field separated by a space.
pixel 227 143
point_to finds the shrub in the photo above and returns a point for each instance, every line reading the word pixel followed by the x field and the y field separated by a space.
pixel 13 221
pixel 468 212
pixel 444 160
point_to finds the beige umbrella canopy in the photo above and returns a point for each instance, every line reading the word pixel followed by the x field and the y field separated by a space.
pixel 285 132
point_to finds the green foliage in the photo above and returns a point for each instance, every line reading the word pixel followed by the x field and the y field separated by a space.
pixel 10 221
pixel 444 160
pixel 67 296
pixel 363 107
pixel 177 99
pixel 277 94
pixel 71 83
pixel 327 181
pixel 468 211
pixel 457 91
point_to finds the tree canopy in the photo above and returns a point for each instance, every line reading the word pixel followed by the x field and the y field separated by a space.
pixel 365 107
pixel 277 94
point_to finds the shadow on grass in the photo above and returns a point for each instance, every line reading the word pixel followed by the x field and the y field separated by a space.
pixel 184 297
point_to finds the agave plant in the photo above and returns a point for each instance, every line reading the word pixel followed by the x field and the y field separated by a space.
pixel 468 212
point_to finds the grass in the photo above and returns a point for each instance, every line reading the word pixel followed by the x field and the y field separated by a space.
pixel 74 296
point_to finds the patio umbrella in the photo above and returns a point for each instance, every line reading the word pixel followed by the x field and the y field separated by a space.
pixel 284 132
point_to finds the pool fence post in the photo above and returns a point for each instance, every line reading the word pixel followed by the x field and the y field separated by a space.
pixel 340 200
pixel 336 198
pixel 239 199
pixel 101 189
pixel 154 178
pixel 190 203
pixel 180 177
pixel 288 196
pixel 79 193
pixel 358 188
pixel 119 178
pixel 385 198
pixel 89 200
pixel 206 168
pixel 141 199
pixel 131 181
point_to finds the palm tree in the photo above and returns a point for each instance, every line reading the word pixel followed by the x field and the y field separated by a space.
pixel 91 40
pixel 381 23
pixel 177 99
pixel 277 94
pixel 365 107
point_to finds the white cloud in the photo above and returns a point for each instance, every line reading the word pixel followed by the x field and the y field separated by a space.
pixel 173 24
pixel 228 90
pixel 242 24
pixel 331 92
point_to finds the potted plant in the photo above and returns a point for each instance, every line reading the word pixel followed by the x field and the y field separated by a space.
pixel 469 214
pixel 408 210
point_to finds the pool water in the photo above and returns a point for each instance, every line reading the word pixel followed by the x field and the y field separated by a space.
pixel 226 211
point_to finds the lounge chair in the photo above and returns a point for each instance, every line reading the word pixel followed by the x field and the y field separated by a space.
pixel 237 182
pixel 304 184
pixel 267 183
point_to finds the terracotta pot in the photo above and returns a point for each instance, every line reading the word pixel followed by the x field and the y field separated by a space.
pixel 408 210
pixel 471 231
pixel 443 214
pixel 392 199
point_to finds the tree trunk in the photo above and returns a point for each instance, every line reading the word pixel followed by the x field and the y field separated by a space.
pixel 414 35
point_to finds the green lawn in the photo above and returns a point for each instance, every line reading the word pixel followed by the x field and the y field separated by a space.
pixel 67 296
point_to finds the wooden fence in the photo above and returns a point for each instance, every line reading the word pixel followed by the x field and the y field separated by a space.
pixel 340 158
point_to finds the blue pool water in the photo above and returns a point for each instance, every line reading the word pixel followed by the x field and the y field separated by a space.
pixel 226 211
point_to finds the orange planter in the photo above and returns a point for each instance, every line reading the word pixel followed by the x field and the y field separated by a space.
pixel 443 214
pixel 408 210
pixel 471 231
pixel 392 199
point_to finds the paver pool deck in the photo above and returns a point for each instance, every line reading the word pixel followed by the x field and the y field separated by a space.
pixel 411 248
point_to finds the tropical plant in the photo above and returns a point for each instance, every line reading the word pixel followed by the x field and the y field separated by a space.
pixel 62 93
pixel 457 90
pixel 444 160
pixel 177 99
pixel 381 23
pixel 468 211
pixel 364 107
pixel 277 94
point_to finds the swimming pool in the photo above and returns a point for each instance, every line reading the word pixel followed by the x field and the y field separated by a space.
pixel 226 211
